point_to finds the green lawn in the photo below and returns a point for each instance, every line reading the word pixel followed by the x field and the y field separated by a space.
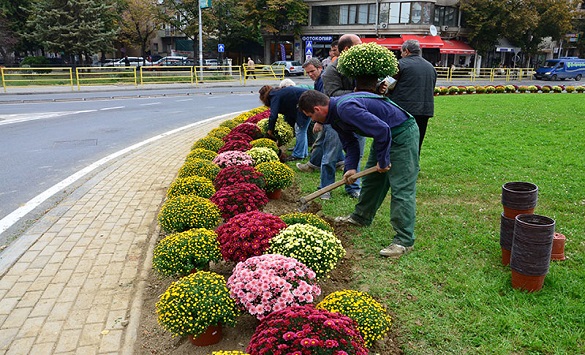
pixel 452 294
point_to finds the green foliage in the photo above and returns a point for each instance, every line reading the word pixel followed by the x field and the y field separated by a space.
pixel 73 26
pixel 184 212
pixel 195 302
pixel 219 132
pixel 262 155
pixel 282 131
pixel 201 153
pixel 277 175
pixel 371 317
pixel 191 185
pixel 316 248
pixel 179 253
pixel 199 167
pixel 266 143
pixel 210 143
pixel 306 218
pixel 367 59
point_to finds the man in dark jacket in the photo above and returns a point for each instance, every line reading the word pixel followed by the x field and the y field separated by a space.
pixel 396 137
pixel 415 86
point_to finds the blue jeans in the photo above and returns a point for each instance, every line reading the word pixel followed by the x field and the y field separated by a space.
pixel 301 148
pixel 331 153
pixel 356 185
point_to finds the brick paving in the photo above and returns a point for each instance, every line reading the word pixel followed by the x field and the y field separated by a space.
pixel 77 289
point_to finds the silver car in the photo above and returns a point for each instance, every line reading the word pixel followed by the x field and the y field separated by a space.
pixel 290 67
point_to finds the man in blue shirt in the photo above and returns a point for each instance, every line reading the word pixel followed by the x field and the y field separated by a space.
pixel 396 138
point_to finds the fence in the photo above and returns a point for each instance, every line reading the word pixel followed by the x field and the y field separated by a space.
pixel 87 76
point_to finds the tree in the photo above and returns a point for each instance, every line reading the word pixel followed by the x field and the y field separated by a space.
pixel 13 14
pixel 73 27
pixel 277 17
pixel 524 22
pixel 139 22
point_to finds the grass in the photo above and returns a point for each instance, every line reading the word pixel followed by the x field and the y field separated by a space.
pixel 452 294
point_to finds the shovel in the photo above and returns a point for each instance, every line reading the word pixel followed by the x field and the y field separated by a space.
pixel 306 199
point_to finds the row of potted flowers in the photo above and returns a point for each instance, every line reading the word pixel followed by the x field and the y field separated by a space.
pixel 279 258
pixel 479 89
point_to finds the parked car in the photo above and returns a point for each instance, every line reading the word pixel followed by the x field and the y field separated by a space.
pixel 290 67
pixel 173 60
pixel 209 64
pixel 134 61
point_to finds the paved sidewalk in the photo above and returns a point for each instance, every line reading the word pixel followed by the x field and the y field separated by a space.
pixel 78 288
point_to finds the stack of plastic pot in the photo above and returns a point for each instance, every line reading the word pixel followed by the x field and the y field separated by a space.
pixel 525 238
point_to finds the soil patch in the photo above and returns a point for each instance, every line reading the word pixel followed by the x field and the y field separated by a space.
pixel 153 339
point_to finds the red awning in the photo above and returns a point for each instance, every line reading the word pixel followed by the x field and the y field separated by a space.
pixel 456 47
pixel 390 43
pixel 426 41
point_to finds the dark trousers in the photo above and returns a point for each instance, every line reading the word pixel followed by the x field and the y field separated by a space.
pixel 421 122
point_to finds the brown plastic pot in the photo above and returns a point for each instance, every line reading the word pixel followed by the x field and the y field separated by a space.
pixel 212 335
pixel 558 247
pixel 527 282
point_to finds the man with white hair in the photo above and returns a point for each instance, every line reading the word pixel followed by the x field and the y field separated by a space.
pixel 415 85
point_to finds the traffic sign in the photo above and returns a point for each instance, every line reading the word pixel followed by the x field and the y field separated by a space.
pixel 221 48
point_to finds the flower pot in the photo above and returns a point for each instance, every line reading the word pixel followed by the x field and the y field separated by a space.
pixel 212 335
pixel 526 282
pixel 506 237
pixel 519 198
pixel 558 247
pixel 275 195
pixel 531 250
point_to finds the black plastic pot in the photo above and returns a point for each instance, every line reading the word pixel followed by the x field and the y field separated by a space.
pixel 519 198
pixel 532 245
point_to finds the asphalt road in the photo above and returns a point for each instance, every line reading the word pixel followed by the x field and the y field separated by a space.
pixel 49 137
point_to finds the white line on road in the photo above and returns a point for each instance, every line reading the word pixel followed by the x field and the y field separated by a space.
pixel 151 103
pixel 112 108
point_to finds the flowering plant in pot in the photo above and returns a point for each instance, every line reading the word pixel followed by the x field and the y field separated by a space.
pixel 277 175
pixel 237 145
pixel 247 234
pixel 306 330
pixel 367 60
pixel 569 89
pixel 239 173
pixel 443 90
pixel 306 218
pixel 231 124
pixel 500 89
pixel 265 143
pixel 219 132
pixel 239 198
pixel 480 89
pixel 259 116
pixel 580 89
pixel 209 143
pixel 195 302
pixel 453 90
pixel 262 155
pixel 201 153
pixel 184 212
pixel 557 89
pixel 199 167
pixel 179 253
pixel 510 88
pixel 237 136
pixel 251 129
pixel 373 321
pixel 316 248
pixel 191 185
pixel 266 283
pixel 470 89
pixel 282 130
pixel 232 157
pixel 532 88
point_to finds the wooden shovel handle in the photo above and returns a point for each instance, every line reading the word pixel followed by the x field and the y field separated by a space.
pixel 336 184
